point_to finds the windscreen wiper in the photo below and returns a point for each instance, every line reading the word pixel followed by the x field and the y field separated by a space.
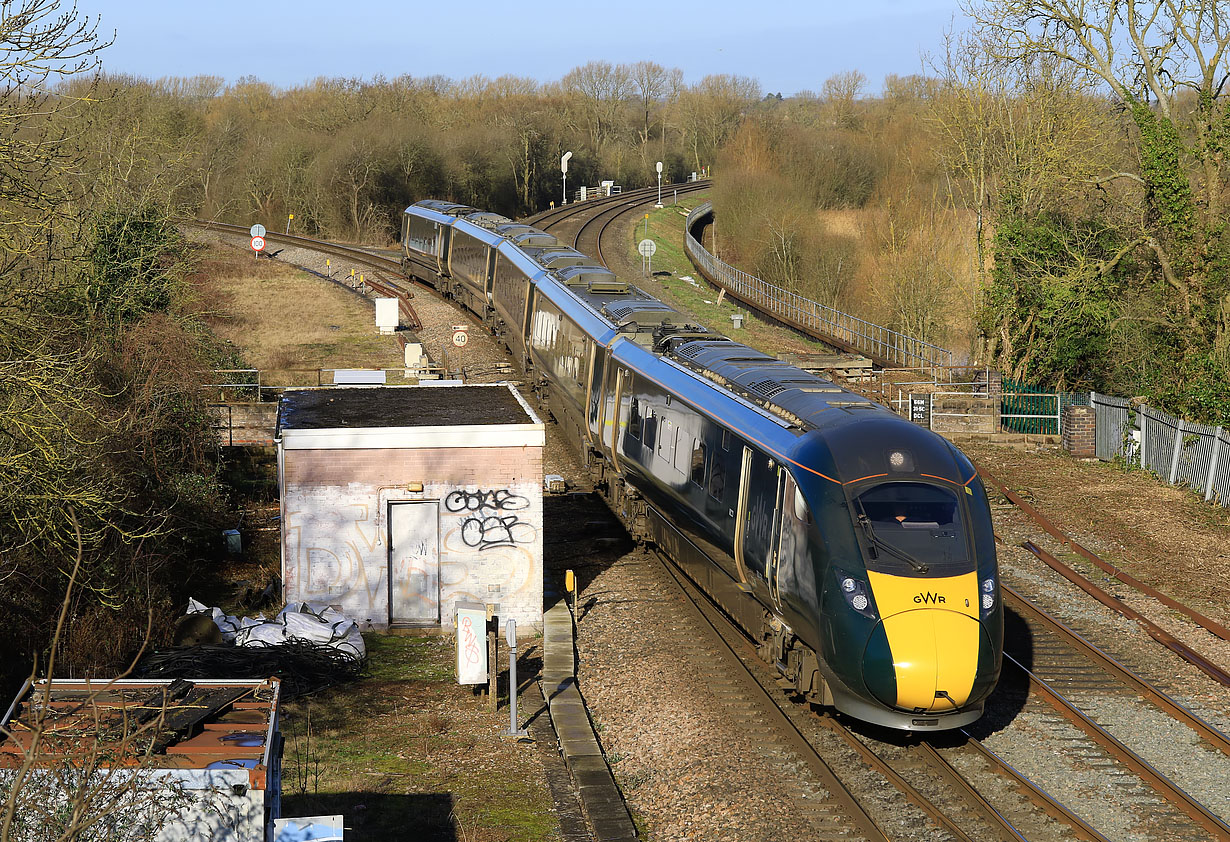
pixel 869 530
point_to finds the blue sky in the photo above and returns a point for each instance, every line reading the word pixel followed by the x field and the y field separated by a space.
pixel 788 46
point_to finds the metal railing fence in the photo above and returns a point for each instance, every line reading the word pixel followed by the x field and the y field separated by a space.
pixel 1179 451
pixel 875 340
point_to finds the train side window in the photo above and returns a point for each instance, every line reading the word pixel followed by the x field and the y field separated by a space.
pixel 682 451
pixel 667 439
pixel 698 462
pixel 725 439
pixel 801 512
pixel 717 479
pixel 634 420
pixel 651 427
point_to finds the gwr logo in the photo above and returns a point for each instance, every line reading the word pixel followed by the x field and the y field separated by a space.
pixel 932 598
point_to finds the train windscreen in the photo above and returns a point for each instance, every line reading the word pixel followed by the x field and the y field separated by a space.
pixel 913 526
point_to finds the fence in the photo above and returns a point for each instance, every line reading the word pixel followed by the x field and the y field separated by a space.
pixel 1180 452
pixel 880 343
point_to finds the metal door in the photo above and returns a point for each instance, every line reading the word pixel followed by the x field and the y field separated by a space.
pixel 787 540
pixel 414 563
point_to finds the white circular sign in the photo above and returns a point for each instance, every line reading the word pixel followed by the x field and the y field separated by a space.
pixel 647 247
pixel 460 338
pixel 258 243
pixel 257 230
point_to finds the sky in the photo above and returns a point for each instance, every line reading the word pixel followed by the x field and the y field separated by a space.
pixel 787 46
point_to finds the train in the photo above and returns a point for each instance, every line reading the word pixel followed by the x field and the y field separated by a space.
pixel 855 547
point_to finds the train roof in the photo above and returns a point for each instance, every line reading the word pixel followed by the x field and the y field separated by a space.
pixel 442 207
pixel 556 256
pixel 607 308
pixel 801 396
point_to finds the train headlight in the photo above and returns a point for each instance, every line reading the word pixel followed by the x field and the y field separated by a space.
pixel 988 595
pixel 857 594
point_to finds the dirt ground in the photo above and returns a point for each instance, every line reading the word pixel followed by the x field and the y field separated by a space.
pixel 1163 535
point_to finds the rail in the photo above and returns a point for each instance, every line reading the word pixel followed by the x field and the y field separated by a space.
pixel 886 346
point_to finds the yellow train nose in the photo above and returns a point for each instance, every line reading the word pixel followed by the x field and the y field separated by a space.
pixel 934 659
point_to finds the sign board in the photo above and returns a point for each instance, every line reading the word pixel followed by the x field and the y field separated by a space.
pixel 920 409
pixel 257 230
pixel 258 243
pixel 471 643
pixel 359 377
pixel 387 315
pixel 461 335
pixel 659 167
pixel 563 162
pixel 647 248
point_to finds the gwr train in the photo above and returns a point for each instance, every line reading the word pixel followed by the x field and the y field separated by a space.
pixel 855 546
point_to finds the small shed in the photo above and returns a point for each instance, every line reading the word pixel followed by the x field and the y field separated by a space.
pixel 398 502
pixel 176 760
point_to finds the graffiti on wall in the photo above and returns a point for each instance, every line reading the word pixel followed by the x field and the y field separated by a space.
pixel 336 545
pixel 486 524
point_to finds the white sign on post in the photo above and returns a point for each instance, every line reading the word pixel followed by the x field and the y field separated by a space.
pixel 461 335
pixel 258 243
pixel 647 248
pixel 471 643
pixel 257 230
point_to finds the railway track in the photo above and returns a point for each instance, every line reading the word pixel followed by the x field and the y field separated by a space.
pixel 588 238
pixel 917 770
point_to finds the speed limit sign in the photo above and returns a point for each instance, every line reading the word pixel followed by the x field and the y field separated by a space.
pixel 258 243
pixel 460 336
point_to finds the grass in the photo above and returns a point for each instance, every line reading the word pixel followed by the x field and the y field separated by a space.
pixel 286 322
pixel 666 229
pixel 406 752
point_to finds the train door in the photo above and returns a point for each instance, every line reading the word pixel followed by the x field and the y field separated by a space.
pixel 611 422
pixel 794 518
pixel 763 480
pixel 781 549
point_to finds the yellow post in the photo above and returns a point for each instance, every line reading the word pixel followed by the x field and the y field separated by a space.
pixel 329 266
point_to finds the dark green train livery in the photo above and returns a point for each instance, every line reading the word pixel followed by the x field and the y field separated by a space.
pixel 854 546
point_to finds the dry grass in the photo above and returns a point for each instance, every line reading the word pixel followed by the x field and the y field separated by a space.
pixel 285 321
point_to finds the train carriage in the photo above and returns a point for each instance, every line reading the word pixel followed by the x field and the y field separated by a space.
pixel 854 546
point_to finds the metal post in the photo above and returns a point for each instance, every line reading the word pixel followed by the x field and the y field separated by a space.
pixel 1208 483
pixel 510 633
pixel 1178 451
pixel 493 658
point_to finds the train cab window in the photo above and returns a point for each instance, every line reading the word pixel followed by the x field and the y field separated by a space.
pixel 634 420
pixel 717 478
pixel 651 428
pixel 698 462
pixel 915 524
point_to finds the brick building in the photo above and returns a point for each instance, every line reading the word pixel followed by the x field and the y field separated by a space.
pixel 398 502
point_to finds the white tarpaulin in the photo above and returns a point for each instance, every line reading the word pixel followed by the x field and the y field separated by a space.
pixel 305 621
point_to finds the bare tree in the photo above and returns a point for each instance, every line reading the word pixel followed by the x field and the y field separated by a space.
pixel 602 89
pixel 1165 62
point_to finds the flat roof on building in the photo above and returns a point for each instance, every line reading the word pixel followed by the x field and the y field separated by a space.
pixel 402 406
